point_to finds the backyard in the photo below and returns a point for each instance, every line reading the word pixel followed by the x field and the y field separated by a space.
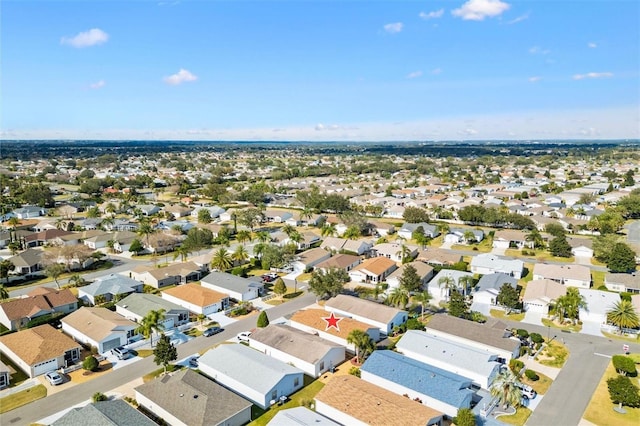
pixel 303 397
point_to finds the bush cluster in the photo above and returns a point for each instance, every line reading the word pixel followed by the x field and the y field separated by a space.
pixel 516 365
pixel 531 375
pixel 625 365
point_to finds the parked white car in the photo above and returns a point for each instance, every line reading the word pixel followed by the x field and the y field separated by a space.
pixel 54 378
pixel 244 336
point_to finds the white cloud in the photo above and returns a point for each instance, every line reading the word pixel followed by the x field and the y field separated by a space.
pixel 87 38
pixel 98 84
pixel 180 77
pixel 534 79
pixel 432 15
pixel 537 50
pixel 519 19
pixel 415 74
pixel 592 45
pixel 477 10
pixel 436 71
pixel 393 28
pixel 468 132
pixel 321 127
pixel 593 75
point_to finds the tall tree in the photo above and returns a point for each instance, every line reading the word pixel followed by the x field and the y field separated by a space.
pixel 623 315
pixel 622 258
pixel 54 271
pixel 4 294
pixel 422 298
pixel 145 229
pixel 279 287
pixel 399 297
pixel 328 283
pixel 560 247
pixel 410 280
pixel 447 283
pixel 153 321
pixel 204 216
pixel 362 342
pixel 164 352
pixel 221 259
pixel 508 297
pixel 457 305
pixel 6 266
pixel 240 255
pixel 570 304
pixel 329 230
pixel 263 320
pixel 243 236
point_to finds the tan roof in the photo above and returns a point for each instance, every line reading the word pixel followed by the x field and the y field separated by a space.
pixel 175 269
pixel 298 343
pixel 373 405
pixel 40 299
pixel 546 290
pixel 314 318
pixel 510 235
pixel 97 323
pixel 440 256
pixel 422 269
pixel 38 344
pixel 196 294
pixel 311 256
pixel 362 308
pixel 338 261
pixel 376 265
pixel 562 272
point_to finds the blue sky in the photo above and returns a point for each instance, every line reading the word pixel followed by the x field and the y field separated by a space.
pixel 320 70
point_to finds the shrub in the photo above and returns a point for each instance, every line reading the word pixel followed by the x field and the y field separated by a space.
pixel 625 296
pixel 354 371
pixel 263 320
pixel 465 417
pixel 524 350
pixel 99 396
pixel 414 324
pixel 522 333
pixel 239 271
pixel 625 365
pixel 622 391
pixel 536 338
pixel 516 365
pixel 531 375
pixel 477 317
pixel 90 363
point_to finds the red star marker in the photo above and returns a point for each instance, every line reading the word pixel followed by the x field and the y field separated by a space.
pixel 332 321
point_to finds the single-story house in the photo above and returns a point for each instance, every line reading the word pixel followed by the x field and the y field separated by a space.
pixel 491 336
pixel 303 350
pixel 238 288
pixel 44 237
pixel 438 256
pixel 479 365
pixel 424 271
pixel 435 387
pixel 541 294
pixel 384 317
pixel 28 262
pixel 581 247
pixel 5 375
pixel 109 286
pixel 17 313
pixel 629 283
pixel 277 216
pixel 598 304
pixel 488 263
pixel 382 228
pixel 137 305
pixel 407 229
pixel 317 321
pixel 257 377
pixel 99 327
pixel 439 290
pixel 358 247
pixel 177 211
pixel 350 400
pixel 175 273
pixel 40 349
pixel 115 412
pixel 186 398
pixel 197 299
pixel 569 275
pixel 28 212
pixel 488 287
pixel 214 211
pixel 464 235
pixel 373 270
pixel 506 238
pixel 311 258
pixel 394 251
pixel 340 261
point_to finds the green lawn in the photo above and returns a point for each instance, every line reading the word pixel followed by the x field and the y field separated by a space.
pixel 498 313
pixel 541 386
pixel 518 419
pixel 143 353
pixel 573 328
pixel 297 399
pixel 156 373
pixel 600 408
pixel 554 355
pixel 16 378
pixel 21 398
pixel 598 278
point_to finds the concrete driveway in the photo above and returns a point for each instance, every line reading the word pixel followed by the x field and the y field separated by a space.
pixel 531 317
pixel 591 328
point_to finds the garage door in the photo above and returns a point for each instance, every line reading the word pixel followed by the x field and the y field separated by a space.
pixel 110 344
pixel 44 367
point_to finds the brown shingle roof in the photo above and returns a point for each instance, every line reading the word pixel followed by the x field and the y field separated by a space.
pixel 491 333
pixel 38 300
pixel 313 318
pixel 373 405
pixel 196 294
pixel 376 265
pixel 547 290
pixel 97 323
pixel 38 344
pixel 338 261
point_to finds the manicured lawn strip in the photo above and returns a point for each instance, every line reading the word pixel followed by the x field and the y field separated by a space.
pixel 518 419
pixel 598 278
pixel 557 351
pixel 497 313
pixel 16 378
pixel 305 394
pixel 156 373
pixel 144 352
pixel 574 328
pixel 21 398
pixel 600 408
pixel 541 386
pixel 624 338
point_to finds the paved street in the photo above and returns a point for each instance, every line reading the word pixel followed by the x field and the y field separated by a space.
pixel 52 404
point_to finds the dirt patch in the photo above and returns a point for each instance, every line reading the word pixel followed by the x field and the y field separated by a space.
pixel 81 375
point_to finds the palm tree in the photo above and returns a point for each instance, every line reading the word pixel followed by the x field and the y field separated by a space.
pixel 240 255
pixel 505 388
pixel 306 213
pixel 145 229
pixel 13 222
pixel 153 321
pixel 399 297
pixel 469 236
pixel 570 304
pixel 107 223
pixel 448 283
pixel 465 282
pixel 54 271
pixel 288 229
pixel 623 315
pixel 61 224
pixel 77 279
pixel 295 237
pixel 352 233
pixel 422 298
pixel 362 342
pixel 110 208
pixel 221 259
pixel 329 230
pixel 263 236
pixel 182 252
pixel 443 227
pixel 404 253
pixel 535 237
pixel 243 236
pixel 6 266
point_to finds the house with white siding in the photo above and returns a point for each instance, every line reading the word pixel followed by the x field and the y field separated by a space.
pixel 99 327
pixel 384 317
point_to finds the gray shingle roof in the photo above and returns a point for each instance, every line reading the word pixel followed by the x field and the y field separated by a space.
pixel 302 345
pixel 496 281
pixel 142 303
pixel 491 333
pixel 228 281
pixel 104 413
pixel 193 398
pixel 248 366
pixel 111 284
pixel 363 308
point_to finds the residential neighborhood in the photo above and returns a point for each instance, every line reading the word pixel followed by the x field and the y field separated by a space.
pixel 418 293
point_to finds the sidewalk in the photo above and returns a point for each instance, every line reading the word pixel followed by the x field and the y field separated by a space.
pixel 532 364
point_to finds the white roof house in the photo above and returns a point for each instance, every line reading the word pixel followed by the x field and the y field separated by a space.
pixel 238 288
pixel 109 286
pixel 479 365
pixel 99 327
pixel 598 303
pixel 300 416
pixel 251 374
pixel 569 275
pixel 488 263
pixel 438 291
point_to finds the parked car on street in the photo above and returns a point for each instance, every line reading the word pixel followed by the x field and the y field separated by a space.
pixel 244 336
pixel 54 377
pixel 193 362
pixel 212 330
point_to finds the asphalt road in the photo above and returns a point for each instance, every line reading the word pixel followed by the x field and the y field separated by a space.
pixel 633 235
pixel 76 394
pixel 567 399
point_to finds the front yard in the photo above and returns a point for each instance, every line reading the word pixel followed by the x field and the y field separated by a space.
pixel 554 355
pixel 600 409
pixel 500 314
pixel 303 397
pixel 574 328
pixel 519 418
pixel 21 398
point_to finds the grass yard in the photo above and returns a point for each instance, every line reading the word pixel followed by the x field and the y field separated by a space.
pixel 555 355
pixel 529 276
pixel 18 376
pixel 519 418
pixel 143 353
pixel 570 327
pixel 304 395
pixel 541 385
pixel 600 408
pixel 21 398
pixel 157 373
pixel 598 278
pixel 498 313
